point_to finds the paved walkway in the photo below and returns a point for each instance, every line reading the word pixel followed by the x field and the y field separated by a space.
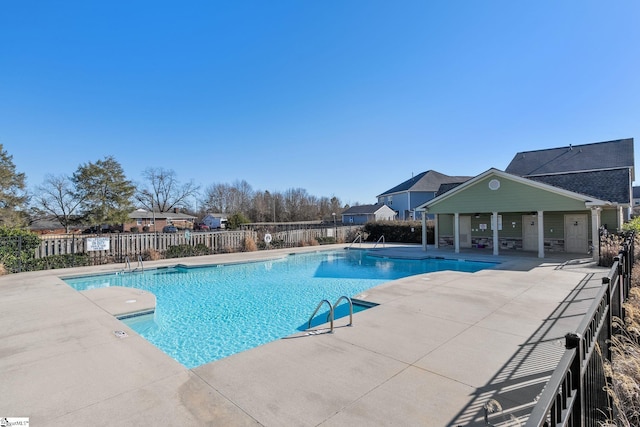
pixel 432 353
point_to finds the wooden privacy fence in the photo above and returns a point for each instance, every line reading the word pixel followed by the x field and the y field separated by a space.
pixel 133 244
pixel 295 237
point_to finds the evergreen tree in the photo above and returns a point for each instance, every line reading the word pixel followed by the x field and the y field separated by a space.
pixel 13 196
pixel 105 192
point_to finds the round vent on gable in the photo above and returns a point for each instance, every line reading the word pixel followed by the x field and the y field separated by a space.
pixel 494 184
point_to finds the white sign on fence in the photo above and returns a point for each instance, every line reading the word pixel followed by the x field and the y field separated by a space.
pixel 97 244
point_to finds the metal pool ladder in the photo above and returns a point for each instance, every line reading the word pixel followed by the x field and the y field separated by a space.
pixel 330 317
pixel 358 237
pixel 127 265
pixel 381 238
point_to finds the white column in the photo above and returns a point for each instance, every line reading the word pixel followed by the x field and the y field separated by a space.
pixel 424 230
pixel 494 227
pixel 620 218
pixel 595 233
pixel 436 233
pixel 540 234
pixel 456 232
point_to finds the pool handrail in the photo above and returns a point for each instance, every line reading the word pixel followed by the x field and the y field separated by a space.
pixel 358 237
pixel 383 242
pixel 316 311
pixel 344 297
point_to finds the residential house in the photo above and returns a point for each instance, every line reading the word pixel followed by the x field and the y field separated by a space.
pixel 553 200
pixel 636 201
pixel 145 220
pixel 362 214
pixel 404 198
pixel 51 225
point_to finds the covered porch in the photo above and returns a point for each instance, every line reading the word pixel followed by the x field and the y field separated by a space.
pixel 499 211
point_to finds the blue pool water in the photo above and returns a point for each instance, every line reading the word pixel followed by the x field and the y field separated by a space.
pixel 207 313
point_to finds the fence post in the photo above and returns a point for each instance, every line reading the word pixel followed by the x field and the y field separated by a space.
pixel 573 341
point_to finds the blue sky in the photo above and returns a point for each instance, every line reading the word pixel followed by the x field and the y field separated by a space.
pixel 340 98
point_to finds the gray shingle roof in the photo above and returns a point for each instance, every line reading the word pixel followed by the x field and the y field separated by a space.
pixel 595 156
pixel 425 181
pixel 611 185
pixel 362 210
pixel 447 187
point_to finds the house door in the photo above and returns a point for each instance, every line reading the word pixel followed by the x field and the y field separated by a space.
pixel 465 231
pixel 576 238
pixel 529 232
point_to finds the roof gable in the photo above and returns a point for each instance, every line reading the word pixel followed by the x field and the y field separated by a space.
pixel 577 158
pixel 513 193
pixel 429 181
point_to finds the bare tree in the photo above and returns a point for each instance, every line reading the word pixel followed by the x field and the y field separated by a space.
pixel 217 198
pixel 57 197
pixel 163 191
pixel 294 204
pixel 242 193
pixel 229 198
pixel 261 207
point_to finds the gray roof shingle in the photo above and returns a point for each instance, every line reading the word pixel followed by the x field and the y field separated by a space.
pixel 362 210
pixel 587 157
pixel 611 185
pixel 425 181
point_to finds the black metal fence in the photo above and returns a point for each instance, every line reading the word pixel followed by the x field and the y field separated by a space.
pixel 575 394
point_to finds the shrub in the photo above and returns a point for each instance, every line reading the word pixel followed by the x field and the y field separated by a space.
pixel 325 240
pixel 397 231
pixel 236 220
pixel 134 229
pixel 623 370
pixel 249 245
pixel 610 245
pixel 180 251
pixel 146 229
pixel 151 255
pixel 17 248
pixel 57 261
pixel 632 225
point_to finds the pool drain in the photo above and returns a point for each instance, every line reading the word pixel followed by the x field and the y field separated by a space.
pixel 120 334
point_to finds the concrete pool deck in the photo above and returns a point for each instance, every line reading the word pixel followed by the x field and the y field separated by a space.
pixel 437 347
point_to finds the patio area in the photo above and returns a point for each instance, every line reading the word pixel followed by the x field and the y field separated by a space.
pixel 435 350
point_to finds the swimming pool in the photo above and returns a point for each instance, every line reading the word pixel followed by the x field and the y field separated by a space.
pixel 206 313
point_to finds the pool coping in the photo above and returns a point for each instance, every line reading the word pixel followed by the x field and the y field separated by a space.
pixel 436 347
